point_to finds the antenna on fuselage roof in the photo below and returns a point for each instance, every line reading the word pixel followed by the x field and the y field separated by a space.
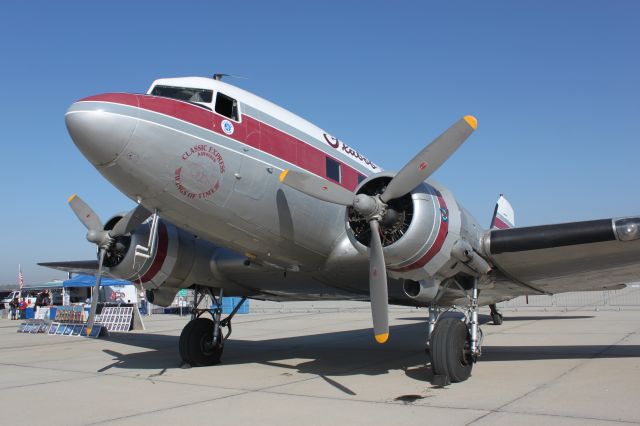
pixel 218 77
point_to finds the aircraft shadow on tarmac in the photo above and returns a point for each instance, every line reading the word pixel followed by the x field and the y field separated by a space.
pixel 344 353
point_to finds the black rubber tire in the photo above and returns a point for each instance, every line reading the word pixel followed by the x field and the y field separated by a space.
pixel 497 318
pixel 195 345
pixel 450 353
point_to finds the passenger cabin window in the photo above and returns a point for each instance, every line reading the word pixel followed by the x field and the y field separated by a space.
pixel 333 169
pixel 187 94
pixel 361 178
pixel 227 106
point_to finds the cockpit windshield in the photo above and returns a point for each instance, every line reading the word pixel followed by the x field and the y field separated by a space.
pixel 188 94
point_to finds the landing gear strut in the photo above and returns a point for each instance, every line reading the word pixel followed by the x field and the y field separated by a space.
pixel 454 344
pixel 202 341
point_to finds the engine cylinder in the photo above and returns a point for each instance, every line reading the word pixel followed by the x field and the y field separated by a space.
pixel 413 230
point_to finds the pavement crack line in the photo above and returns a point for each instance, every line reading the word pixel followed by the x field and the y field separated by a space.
pixel 274 389
pixel 266 389
pixel 14 387
pixel 547 384
pixel 194 403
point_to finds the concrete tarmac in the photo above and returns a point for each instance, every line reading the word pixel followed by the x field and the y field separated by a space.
pixel 316 368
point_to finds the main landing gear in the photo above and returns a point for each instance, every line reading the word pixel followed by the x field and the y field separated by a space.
pixel 202 341
pixel 454 344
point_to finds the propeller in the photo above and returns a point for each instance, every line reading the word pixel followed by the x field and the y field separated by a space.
pixel 374 207
pixel 103 238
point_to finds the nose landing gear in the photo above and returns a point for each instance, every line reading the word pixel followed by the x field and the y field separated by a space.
pixel 202 341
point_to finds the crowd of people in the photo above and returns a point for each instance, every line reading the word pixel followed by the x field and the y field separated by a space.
pixel 18 307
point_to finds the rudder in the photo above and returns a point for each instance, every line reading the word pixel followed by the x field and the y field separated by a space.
pixel 503 215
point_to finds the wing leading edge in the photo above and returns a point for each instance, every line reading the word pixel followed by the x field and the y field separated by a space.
pixel 578 256
pixel 86 267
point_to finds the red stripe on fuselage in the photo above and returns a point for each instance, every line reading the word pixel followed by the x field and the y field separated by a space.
pixel 161 254
pixel 250 131
pixel 443 230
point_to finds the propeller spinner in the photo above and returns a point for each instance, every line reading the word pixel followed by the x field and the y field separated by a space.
pixel 374 207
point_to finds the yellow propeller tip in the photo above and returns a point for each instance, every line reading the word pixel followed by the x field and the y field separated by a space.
pixel 471 121
pixel 283 174
pixel 382 338
pixel 70 199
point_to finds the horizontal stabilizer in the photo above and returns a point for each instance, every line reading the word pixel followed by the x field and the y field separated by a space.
pixel 86 267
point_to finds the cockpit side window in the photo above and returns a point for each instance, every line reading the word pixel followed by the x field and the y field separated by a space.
pixel 227 106
pixel 187 94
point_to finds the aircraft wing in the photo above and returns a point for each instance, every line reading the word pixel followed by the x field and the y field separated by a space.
pixel 578 256
pixel 85 267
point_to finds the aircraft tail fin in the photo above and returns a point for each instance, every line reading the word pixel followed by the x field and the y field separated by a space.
pixel 503 215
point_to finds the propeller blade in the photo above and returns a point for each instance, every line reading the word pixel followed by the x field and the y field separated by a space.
pixel 429 159
pixel 317 187
pixel 87 216
pixel 96 292
pixel 378 286
pixel 130 221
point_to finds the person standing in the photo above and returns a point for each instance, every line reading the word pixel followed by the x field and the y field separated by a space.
pixel 13 307
pixel 42 301
pixel 22 306
pixel 46 299
pixel 143 304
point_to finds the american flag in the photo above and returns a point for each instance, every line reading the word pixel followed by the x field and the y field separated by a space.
pixel 20 279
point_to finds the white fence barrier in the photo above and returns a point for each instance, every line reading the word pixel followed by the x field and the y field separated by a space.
pixel 627 297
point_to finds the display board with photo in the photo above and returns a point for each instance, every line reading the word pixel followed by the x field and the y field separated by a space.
pixel 116 318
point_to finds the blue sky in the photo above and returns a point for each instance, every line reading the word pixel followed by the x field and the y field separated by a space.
pixel 554 85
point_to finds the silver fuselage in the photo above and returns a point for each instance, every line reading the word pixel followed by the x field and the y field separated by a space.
pixel 218 179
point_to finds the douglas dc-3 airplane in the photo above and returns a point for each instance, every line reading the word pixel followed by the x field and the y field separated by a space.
pixel 237 195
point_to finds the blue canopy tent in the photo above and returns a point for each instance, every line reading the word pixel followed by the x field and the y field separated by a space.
pixel 111 290
pixel 90 281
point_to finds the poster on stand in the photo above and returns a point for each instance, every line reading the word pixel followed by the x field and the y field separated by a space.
pixel 53 328
pixel 95 331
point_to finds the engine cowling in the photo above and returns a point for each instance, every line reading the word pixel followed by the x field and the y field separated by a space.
pixel 413 230
pixel 179 260
pixel 423 291
pixel 162 296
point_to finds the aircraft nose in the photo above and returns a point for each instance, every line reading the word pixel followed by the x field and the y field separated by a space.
pixel 99 132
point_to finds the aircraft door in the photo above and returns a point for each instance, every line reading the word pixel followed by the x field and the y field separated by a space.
pixel 252 178
pixel 254 174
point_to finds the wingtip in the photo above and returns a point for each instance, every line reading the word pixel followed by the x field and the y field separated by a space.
pixel 471 121
pixel 283 175
pixel 382 337
pixel 70 199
